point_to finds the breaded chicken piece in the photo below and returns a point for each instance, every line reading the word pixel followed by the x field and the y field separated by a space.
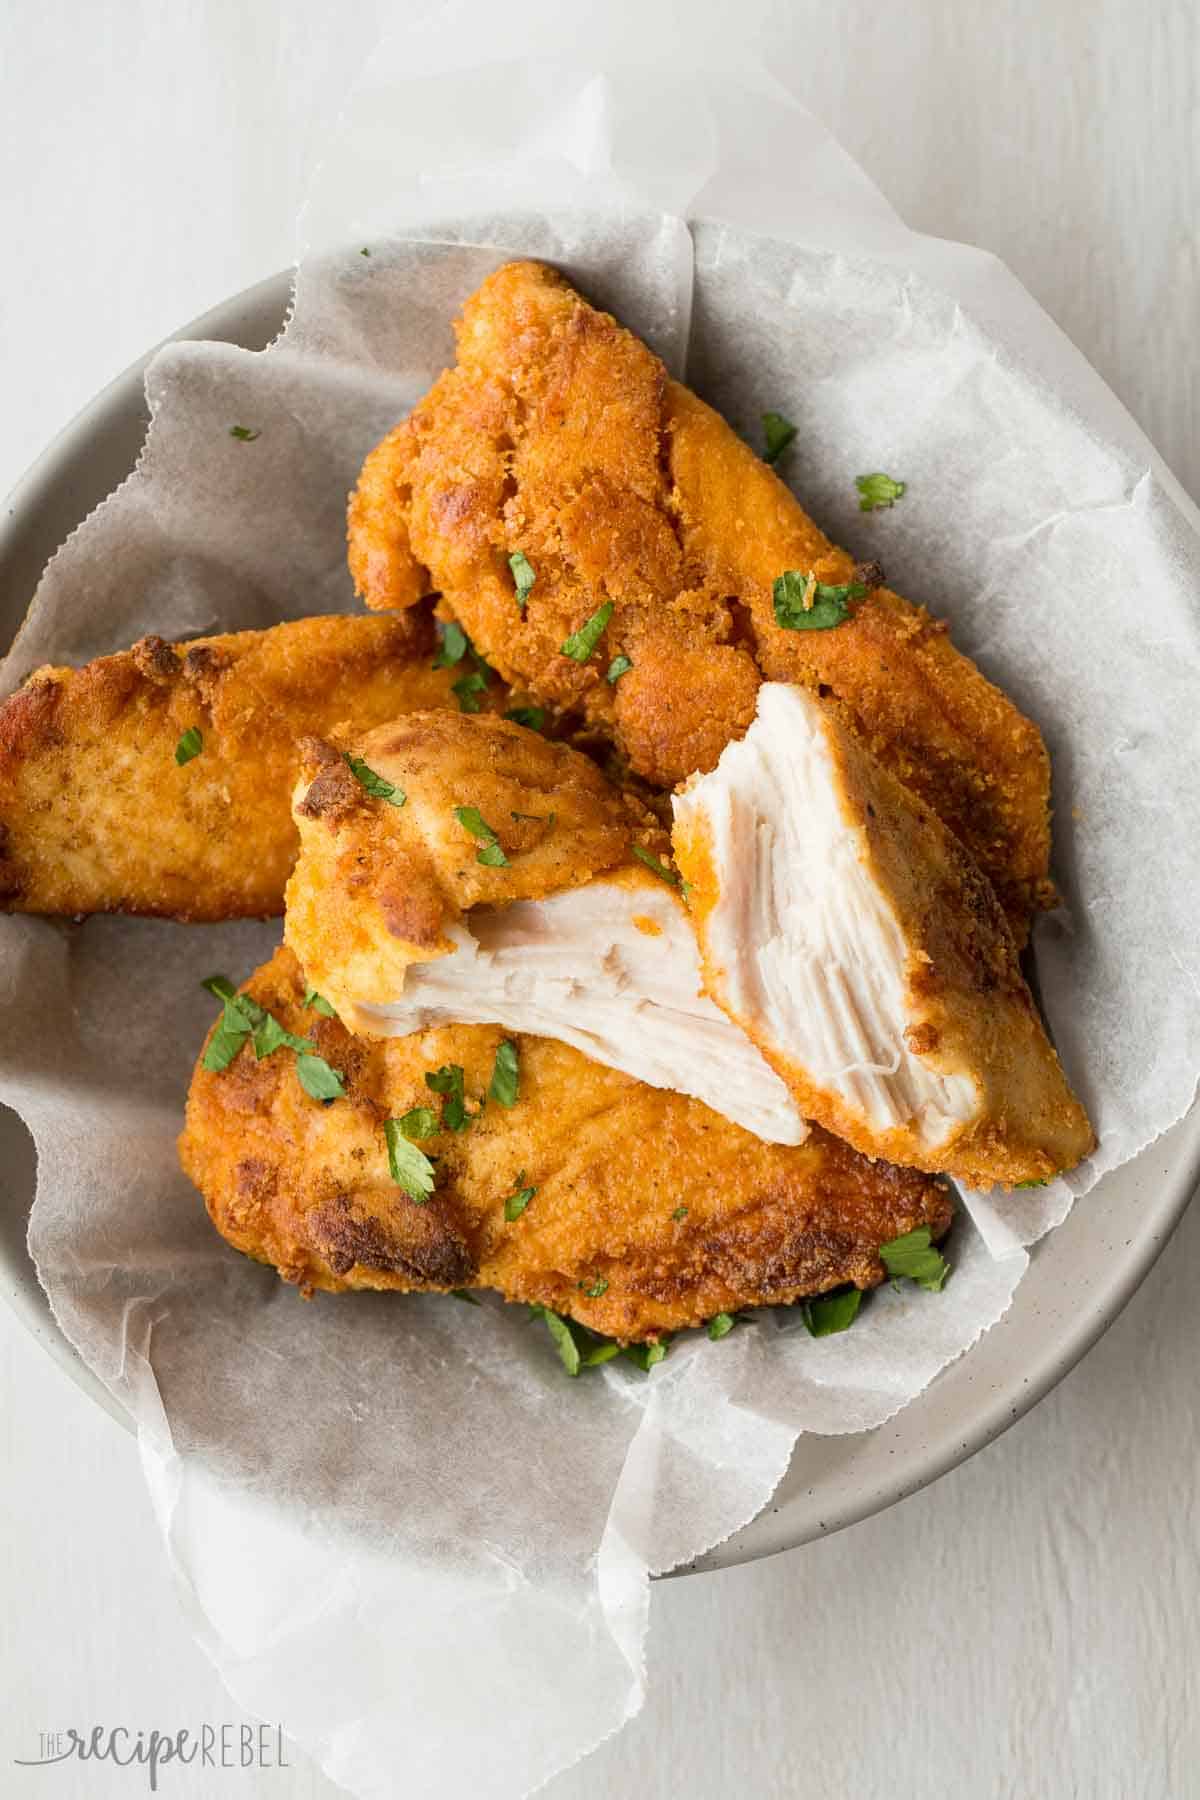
pixel 559 435
pixel 850 935
pixel 648 1213
pixel 97 815
pixel 509 889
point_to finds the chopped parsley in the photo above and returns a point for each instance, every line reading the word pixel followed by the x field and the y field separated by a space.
pixel 564 1338
pixel 802 603
pixel 410 1168
pixel 595 1289
pixel 1032 1182
pixel 453 647
pixel 448 1081
pixel 827 1313
pixel 468 689
pixel 364 252
pixel 581 643
pixel 720 1325
pixel 419 1122
pixel 876 491
pixel 269 1035
pixel 916 1256
pixel 601 1353
pixel 464 1294
pixel 243 1018
pixel 779 433
pixel 681 1212
pixel 620 665
pixel 532 717
pixel 318 1004
pixel 374 784
pixel 189 745
pixel 657 868
pixel 580 1348
pixel 506 1075
pixel 317 1078
pixel 473 821
pixel 243 434
pixel 647 1356
pixel 523 575
pixel 518 1200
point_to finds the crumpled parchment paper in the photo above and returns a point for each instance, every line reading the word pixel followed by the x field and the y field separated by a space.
pixel 398 1527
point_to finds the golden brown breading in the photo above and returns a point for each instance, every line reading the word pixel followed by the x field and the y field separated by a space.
pixel 680 1213
pixel 559 435
pixel 95 814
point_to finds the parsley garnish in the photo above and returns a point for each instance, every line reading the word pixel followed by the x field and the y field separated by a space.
pixel 779 434
pixel 468 688
pixel 243 434
pixel 647 1356
pixel 523 575
pixel 658 868
pixel 532 717
pixel 601 1353
pixel 419 1122
pixel 449 1082
pixel 318 1079
pixel 473 821
pixel 827 1313
pixel 802 603
pixel 189 745
pixel 506 1075
pixel 620 665
pixel 916 1256
pixel 364 252
pixel 564 1338
pixel 464 1294
pixel 518 1200
pixel 680 1212
pixel 318 1003
pixel 597 1287
pixel 375 785
pixel 242 1018
pixel 453 647
pixel 876 491
pixel 410 1168
pixel 581 643
pixel 1044 1182
pixel 269 1035
pixel 720 1325
pixel 579 1348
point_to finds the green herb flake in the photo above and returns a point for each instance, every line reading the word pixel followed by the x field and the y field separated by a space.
pixel 374 784
pixel 419 1122
pixel 916 1256
pixel 243 434
pixel 220 985
pixel 646 1356
pixel 620 665
pixel 876 491
pixel 831 1312
pixel 448 1081
pixel 453 647
pixel 1044 1182
pixel 318 1078
pixel 506 1076
pixel 189 745
pixel 473 821
pixel 581 643
pixel 657 868
pixel 518 1200
pixel 364 252
pixel 270 1036
pixel 464 1294
pixel 468 688
pixel 681 1212
pixel 523 575
pixel 600 1353
pixel 231 1033
pixel 595 1289
pixel 802 603
pixel 720 1325
pixel 564 1340
pixel 779 433
pixel 532 717
pixel 410 1168
pixel 319 1004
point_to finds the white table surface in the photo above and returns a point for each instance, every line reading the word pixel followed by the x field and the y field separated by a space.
pixel 1031 1625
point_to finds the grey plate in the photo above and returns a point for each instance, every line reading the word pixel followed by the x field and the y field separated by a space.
pixel 1080 1277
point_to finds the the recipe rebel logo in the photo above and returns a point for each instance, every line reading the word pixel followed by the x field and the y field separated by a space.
pixel 227 1746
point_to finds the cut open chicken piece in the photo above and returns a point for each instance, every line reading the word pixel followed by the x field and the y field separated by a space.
pixel 633 1210
pixel 509 889
pixel 157 780
pixel 849 934
pixel 558 438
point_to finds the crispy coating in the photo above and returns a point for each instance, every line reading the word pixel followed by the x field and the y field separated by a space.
pixel 682 1214
pixel 95 813
pixel 378 886
pixel 560 435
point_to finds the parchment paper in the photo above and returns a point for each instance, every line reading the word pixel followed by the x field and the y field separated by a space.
pixel 399 1528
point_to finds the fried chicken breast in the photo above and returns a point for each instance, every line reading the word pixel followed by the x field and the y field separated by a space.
pixel 849 934
pixel 647 1213
pixel 510 888
pixel 558 436
pixel 98 815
